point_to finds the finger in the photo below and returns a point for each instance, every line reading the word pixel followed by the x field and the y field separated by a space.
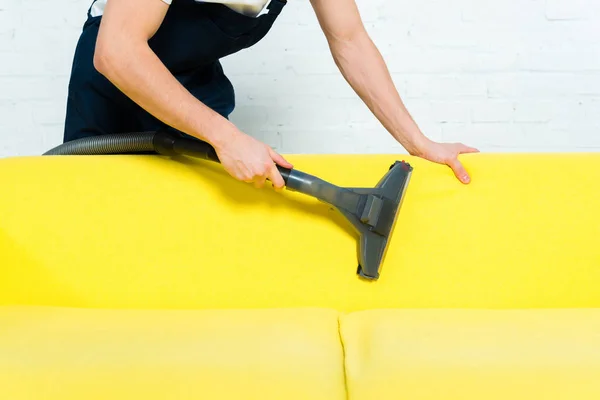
pixel 467 149
pixel 279 159
pixel 459 170
pixel 276 178
pixel 246 176
pixel 241 176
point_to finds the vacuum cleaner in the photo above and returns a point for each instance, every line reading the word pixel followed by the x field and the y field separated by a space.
pixel 371 211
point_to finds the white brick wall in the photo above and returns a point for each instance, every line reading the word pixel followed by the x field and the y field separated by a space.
pixel 512 75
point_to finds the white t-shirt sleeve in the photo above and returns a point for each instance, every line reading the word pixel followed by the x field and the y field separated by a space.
pixel 98 7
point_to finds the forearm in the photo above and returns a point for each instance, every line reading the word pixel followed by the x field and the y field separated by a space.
pixel 136 70
pixel 363 67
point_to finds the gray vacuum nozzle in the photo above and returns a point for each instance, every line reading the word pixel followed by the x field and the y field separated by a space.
pixel 375 237
pixel 371 211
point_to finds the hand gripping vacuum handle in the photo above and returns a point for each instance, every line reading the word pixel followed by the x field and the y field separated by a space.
pixel 171 144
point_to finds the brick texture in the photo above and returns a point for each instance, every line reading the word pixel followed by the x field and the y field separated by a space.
pixel 516 75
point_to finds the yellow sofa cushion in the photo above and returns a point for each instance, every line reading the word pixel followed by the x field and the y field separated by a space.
pixel 62 354
pixel 151 232
pixel 472 354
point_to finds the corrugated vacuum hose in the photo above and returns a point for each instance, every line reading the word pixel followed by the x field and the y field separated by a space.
pixel 135 142
pixel 371 211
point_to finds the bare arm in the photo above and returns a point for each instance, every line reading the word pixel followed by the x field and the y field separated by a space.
pixel 363 67
pixel 124 57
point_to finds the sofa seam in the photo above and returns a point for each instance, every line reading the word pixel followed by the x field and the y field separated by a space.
pixel 343 347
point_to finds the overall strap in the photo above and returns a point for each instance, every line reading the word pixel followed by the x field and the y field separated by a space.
pixel 275 7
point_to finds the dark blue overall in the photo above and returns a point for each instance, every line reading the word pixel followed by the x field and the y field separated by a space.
pixel 190 42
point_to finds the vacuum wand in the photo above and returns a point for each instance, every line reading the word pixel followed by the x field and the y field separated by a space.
pixel 371 211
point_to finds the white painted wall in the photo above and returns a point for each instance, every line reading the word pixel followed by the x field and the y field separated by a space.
pixel 512 75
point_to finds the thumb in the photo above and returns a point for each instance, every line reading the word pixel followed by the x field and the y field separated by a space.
pixel 467 149
pixel 279 159
pixel 459 170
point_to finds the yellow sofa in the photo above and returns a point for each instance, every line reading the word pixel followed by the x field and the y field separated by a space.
pixel 144 277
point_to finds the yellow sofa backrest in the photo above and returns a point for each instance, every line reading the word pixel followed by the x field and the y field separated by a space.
pixel 152 232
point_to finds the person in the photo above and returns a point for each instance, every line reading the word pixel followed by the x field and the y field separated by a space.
pixel 143 65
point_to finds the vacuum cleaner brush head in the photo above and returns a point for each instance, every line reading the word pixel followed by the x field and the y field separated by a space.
pixel 378 219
